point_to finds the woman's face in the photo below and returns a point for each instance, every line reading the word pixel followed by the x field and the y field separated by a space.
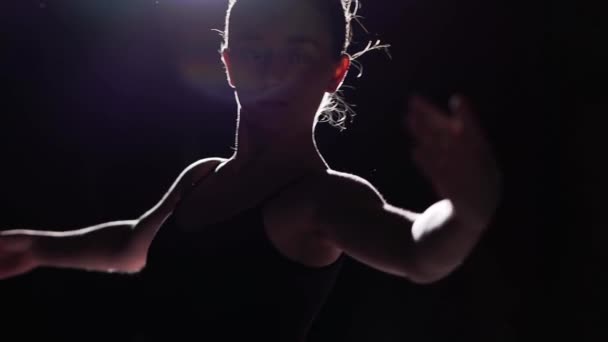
pixel 280 62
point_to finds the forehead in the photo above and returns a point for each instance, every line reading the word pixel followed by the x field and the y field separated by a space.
pixel 278 19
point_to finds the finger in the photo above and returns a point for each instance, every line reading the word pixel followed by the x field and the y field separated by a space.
pixel 430 125
pixel 471 135
pixel 464 113
pixel 419 131
pixel 425 135
pixel 430 115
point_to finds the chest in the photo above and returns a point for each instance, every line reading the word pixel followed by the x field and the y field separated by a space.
pixel 284 215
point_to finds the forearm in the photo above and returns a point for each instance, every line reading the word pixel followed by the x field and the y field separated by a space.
pixel 443 240
pixel 99 248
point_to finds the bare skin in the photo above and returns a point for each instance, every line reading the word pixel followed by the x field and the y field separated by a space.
pixel 324 213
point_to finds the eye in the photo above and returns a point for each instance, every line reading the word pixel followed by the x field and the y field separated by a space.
pixel 255 55
pixel 298 57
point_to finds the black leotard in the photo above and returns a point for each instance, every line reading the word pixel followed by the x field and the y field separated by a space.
pixel 228 282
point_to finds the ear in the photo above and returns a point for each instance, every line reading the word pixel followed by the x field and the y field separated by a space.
pixel 339 75
pixel 226 61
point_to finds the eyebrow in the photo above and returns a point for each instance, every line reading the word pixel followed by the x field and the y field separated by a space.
pixel 304 40
pixel 291 40
pixel 248 37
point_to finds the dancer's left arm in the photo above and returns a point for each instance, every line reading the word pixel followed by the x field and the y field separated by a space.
pixel 455 156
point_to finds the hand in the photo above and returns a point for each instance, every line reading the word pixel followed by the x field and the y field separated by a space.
pixel 16 255
pixel 454 154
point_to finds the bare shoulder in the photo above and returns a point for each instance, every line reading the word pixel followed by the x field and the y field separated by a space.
pixel 201 168
pixel 346 189
pixel 149 223
pixel 341 194
pixel 189 176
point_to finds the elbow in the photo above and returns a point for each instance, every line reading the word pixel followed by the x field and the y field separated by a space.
pixel 134 268
pixel 131 262
pixel 132 255
pixel 425 273
pixel 129 259
pixel 125 266
pixel 426 278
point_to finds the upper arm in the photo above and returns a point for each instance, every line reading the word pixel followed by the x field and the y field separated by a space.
pixel 354 217
pixel 148 223
pixel 184 181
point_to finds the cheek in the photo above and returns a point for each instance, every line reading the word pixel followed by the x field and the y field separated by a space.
pixel 298 83
pixel 308 80
pixel 309 93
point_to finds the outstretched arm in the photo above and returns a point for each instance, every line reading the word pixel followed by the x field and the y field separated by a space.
pixel 423 247
pixel 119 246
pixel 101 248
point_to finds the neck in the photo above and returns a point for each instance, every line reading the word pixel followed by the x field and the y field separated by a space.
pixel 279 150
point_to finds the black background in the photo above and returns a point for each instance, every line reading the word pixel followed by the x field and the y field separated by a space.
pixel 99 116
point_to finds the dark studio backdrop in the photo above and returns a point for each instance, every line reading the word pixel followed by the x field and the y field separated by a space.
pixel 105 102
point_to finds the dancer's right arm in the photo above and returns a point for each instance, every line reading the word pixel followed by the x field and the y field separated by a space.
pixel 119 246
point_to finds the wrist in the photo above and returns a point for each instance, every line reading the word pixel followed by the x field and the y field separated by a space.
pixel 36 252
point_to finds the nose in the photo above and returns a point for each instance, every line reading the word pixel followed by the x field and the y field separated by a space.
pixel 275 71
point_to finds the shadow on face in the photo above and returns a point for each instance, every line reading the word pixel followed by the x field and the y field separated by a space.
pixel 280 59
